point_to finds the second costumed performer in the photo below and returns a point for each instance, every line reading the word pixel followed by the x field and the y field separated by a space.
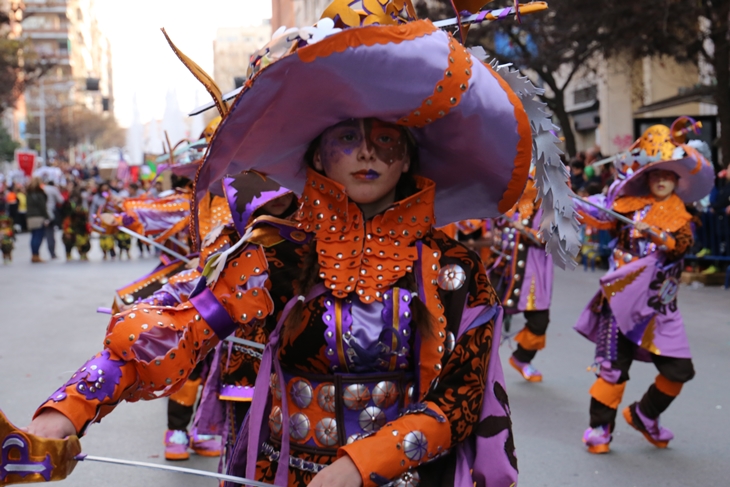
pixel 634 315
pixel 382 366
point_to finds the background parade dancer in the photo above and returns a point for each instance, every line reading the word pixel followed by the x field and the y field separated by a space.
pixel 389 318
pixel 634 315
pixel 525 279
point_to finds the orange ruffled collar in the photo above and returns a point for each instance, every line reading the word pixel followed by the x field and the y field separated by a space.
pixel 669 215
pixel 364 257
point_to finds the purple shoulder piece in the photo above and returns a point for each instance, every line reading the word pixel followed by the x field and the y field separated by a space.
pixel 255 190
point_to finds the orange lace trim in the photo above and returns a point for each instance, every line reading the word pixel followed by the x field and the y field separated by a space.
pixel 523 158
pixel 212 213
pixel 669 215
pixel 526 205
pixel 363 257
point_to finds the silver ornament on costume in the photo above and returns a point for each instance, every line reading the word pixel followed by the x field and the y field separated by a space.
pixel 326 397
pixel 299 426
pixel 385 394
pixel 372 419
pixel 415 445
pixel 275 420
pixel 451 277
pixel 356 396
pixel 275 386
pixel 326 432
pixel 450 342
pixel 301 393
pixel 408 479
pixel 354 438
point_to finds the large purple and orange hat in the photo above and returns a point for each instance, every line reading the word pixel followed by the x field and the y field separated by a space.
pixel 667 148
pixel 473 122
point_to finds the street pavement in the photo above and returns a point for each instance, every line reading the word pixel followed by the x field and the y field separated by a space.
pixel 49 327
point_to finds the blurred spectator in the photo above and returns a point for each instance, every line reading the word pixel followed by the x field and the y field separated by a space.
pixel 38 217
pixel 577 176
pixel 720 201
pixel 53 207
pixel 11 202
pixel 98 200
pixel 22 209
pixel 135 191
pixel 156 190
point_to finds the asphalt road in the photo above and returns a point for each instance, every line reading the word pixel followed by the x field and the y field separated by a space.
pixel 49 327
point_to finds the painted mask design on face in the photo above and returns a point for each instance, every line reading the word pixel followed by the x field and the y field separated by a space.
pixel 386 140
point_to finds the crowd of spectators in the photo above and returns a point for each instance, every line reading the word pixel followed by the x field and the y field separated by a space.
pixel 40 204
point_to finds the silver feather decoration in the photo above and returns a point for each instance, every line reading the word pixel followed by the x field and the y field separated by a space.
pixel 559 223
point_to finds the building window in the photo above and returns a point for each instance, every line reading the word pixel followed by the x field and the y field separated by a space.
pixel 585 95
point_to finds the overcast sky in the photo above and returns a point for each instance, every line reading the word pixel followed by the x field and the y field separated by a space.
pixel 144 64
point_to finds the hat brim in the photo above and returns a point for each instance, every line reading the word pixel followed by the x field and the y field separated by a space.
pixel 696 177
pixel 188 170
pixel 478 153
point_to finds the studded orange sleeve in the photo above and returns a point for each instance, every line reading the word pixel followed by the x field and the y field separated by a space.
pixel 151 350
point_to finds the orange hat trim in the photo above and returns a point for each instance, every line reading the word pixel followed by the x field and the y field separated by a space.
pixel 448 91
pixel 382 34
pixel 524 148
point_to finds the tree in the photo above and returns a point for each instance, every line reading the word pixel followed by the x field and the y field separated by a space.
pixel 20 65
pixel 69 126
pixel 568 39
pixel 7 145
pixel 700 30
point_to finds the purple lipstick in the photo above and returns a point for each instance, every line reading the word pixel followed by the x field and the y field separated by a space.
pixel 368 175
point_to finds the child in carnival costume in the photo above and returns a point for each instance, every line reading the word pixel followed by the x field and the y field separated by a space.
pixel 75 227
pixel 525 279
pixel 124 242
pixel 7 238
pixel 634 316
pixel 389 317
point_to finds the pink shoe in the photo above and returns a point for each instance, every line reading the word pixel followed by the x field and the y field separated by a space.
pixel 654 433
pixel 176 445
pixel 528 372
pixel 205 445
pixel 598 439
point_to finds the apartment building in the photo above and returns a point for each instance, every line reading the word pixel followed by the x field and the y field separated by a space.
pixel 67 33
pixel 613 104
pixel 296 13
pixel 232 48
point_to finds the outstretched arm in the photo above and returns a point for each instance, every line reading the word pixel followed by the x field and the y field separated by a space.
pixel 149 351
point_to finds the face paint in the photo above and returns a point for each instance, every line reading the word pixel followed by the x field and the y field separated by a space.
pixel 388 140
pixel 342 138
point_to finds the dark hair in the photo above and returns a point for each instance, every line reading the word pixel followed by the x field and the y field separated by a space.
pixel 422 318
pixel 593 188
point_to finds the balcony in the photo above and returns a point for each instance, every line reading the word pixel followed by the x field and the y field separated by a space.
pixel 44 7
pixel 38 34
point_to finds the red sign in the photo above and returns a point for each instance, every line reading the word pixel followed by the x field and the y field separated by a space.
pixel 26 161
